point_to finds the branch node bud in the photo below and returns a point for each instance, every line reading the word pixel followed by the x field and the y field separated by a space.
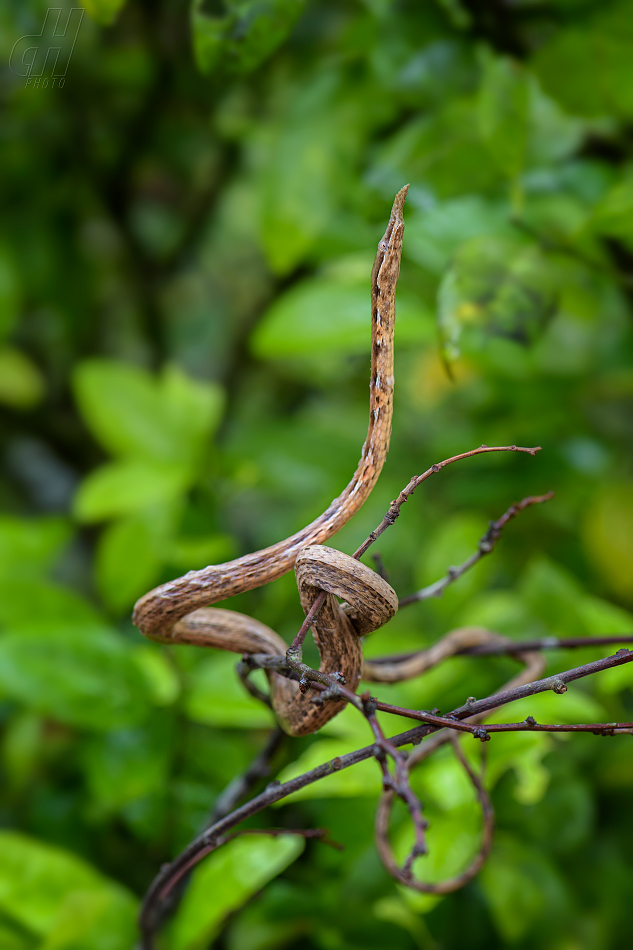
pixel 482 734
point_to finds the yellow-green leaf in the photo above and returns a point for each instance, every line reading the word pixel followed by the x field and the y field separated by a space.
pixel 225 880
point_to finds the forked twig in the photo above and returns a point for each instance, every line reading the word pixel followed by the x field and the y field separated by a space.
pixel 331 686
pixel 486 546
pixel 277 791
pixel 404 874
pixel 393 512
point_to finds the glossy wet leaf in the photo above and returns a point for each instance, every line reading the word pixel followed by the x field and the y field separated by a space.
pixel 225 880
pixel 57 896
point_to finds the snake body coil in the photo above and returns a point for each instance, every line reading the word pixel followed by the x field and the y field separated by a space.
pixel 169 613
pixel 370 603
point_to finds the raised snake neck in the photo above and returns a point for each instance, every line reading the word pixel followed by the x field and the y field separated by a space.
pixel 168 613
pixel 157 613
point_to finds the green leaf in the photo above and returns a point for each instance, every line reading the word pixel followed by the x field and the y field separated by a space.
pixel 452 543
pixel 613 215
pixel 498 610
pixel 442 154
pixel 83 675
pixel 503 112
pixel 358 780
pixel 103 11
pixel 231 875
pixel 22 747
pixel 135 414
pixel 329 314
pixel 23 601
pixel 14 938
pixel 458 14
pixel 307 163
pixel 159 674
pixel 126 765
pixel 554 597
pixel 122 405
pixel 586 66
pixel 189 552
pixel 122 488
pixel 29 546
pixel 21 383
pixel 193 409
pixel 216 697
pixel 525 752
pixel 45 889
pixel 128 561
pixel 435 235
pixel 601 615
pixel 454 839
pixel 520 885
pixel 100 920
pixel 553 135
pixel 608 537
pixel 210 37
pixel 495 288
pixel 247 35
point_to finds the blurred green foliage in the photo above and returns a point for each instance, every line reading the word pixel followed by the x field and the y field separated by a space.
pixel 189 225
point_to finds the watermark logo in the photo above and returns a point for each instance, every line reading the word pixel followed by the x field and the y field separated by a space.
pixel 43 58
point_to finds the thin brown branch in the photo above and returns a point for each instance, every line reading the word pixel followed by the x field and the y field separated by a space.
pixel 528 725
pixel 241 785
pixel 549 643
pixel 504 647
pixel 394 508
pixel 398 784
pixel 295 649
pixel 404 874
pixel 331 686
pixel 486 545
pixel 277 791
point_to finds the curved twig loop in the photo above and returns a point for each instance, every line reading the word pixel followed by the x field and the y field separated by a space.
pixel 404 874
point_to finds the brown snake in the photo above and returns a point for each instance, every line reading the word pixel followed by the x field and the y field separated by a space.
pixel 178 611
pixel 168 614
